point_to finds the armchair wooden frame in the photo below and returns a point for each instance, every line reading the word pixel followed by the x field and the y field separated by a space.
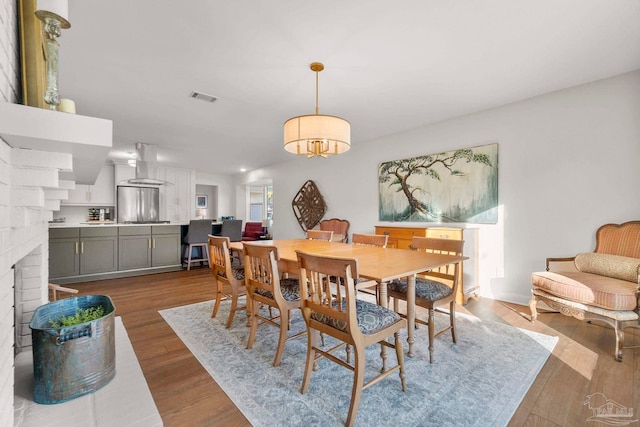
pixel 226 276
pixel 329 306
pixel 265 287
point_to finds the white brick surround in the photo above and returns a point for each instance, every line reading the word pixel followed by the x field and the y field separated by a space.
pixel 28 193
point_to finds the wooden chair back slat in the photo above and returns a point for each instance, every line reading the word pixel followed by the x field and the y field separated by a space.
pixel 379 240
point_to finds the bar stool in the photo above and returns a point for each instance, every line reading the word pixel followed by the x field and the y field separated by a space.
pixel 197 237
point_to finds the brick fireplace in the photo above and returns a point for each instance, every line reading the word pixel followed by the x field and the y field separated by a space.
pixel 29 193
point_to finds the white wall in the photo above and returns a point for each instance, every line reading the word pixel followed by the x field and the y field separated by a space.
pixel 568 163
pixel 226 195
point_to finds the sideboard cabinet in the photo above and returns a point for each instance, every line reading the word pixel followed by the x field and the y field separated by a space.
pixel 400 238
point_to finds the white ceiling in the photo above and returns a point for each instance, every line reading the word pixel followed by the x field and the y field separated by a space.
pixel 389 66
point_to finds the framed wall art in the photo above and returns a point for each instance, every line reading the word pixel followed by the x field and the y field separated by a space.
pixel 453 186
pixel 202 201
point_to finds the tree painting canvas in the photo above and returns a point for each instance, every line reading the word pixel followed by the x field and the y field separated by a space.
pixel 454 186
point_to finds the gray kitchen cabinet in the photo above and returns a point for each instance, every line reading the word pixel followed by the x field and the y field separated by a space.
pixel 64 252
pixel 134 247
pixel 98 250
pixel 148 246
pixel 165 245
pixel 78 251
pixel 90 253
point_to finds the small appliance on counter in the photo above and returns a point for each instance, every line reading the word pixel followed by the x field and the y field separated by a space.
pixel 99 214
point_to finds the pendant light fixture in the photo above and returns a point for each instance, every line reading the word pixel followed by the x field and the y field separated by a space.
pixel 317 134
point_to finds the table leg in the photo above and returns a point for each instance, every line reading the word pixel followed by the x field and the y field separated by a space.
pixel 411 311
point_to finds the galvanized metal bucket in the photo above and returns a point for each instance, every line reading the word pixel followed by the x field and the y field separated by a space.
pixel 69 362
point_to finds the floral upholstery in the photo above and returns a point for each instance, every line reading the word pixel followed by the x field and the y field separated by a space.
pixel 371 317
pixel 290 289
pixel 238 273
pixel 430 290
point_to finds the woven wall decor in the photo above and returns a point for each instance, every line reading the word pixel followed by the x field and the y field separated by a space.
pixel 308 206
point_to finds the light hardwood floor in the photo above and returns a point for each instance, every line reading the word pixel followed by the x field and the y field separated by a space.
pixel 581 364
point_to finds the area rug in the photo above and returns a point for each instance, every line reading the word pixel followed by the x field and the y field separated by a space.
pixel 479 381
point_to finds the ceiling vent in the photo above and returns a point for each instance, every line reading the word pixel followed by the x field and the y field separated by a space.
pixel 203 96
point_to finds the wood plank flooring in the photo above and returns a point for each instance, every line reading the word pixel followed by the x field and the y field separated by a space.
pixel 582 363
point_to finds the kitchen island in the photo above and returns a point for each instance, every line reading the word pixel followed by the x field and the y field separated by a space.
pixel 80 252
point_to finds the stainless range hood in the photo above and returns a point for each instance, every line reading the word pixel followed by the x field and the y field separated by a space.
pixel 146 167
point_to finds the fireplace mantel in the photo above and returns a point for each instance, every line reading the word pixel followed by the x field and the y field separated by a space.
pixel 87 139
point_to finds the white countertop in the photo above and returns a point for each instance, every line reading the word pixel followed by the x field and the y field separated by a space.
pixel 114 224
pixel 107 224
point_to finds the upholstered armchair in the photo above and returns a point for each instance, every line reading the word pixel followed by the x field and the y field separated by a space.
pixel 252 231
pixel 340 228
pixel 601 286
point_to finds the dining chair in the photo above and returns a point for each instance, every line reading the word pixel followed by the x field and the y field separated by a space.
pixel 265 287
pixel 434 288
pixel 232 228
pixel 340 228
pixel 320 235
pixel 329 306
pixel 226 276
pixel 196 238
pixel 379 240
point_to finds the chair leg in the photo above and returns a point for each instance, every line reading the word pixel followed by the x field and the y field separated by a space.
pixel 216 306
pixel 356 391
pixel 284 326
pixel 232 310
pixel 189 257
pixel 452 319
pixel 431 328
pixel 253 308
pixel 206 250
pixel 312 343
pixel 532 307
pixel 400 356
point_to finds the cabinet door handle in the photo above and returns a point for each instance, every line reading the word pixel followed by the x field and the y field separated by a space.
pixel 149 243
pixel 76 248
pixel 154 243
pixel 82 247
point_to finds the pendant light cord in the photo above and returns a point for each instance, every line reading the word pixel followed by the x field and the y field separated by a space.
pixel 316 93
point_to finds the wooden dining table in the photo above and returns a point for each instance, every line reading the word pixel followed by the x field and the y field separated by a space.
pixel 374 263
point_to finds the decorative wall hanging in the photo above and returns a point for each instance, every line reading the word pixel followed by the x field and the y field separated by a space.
pixel 308 206
pixel 454 186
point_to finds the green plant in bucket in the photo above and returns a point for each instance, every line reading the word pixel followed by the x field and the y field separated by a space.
pixel 82 315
